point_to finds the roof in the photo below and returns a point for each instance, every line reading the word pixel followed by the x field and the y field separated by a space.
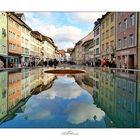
pixel 70 50
pixel 88 42
pixel 16 17
pixel 62 52
pixel 103 16
pixel 37 35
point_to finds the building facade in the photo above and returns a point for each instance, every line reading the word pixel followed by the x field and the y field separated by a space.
pixel 14 88
pixel 88 51
pixel 107 36
pixel 126 39
pixel 14 40
pixel 25 43
pixel 49 49
pixel 138 40
pixel 3 36
pixel 79 53
pixel 3 94
pixel 96 43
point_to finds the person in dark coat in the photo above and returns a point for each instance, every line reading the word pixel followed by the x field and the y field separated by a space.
pixel 50 63
pixel 45 63
pixel 55 63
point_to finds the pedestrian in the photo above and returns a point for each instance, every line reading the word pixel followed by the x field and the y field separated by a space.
pixel 55 63
pixel 104 62
pixel 50 63
pixel 1 64
pixel 45 63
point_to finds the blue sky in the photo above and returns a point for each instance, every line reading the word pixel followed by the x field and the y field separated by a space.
pixel 65 28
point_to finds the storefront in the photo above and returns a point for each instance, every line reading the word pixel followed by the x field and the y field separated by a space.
pixel 127 58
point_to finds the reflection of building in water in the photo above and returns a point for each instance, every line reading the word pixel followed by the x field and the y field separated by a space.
pixel 32 79
pixel 96 83
pixel 38 74
pixel 25 83
pixel 14 88
pixel 138 99
pixel 125 99
pixel 106 97
pixel 85 81
pixel 3 94
pixel 48 78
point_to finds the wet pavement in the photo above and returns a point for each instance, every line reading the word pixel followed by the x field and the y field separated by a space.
pixel 100 98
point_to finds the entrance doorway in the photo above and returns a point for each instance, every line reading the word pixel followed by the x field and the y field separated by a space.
pixel 131 61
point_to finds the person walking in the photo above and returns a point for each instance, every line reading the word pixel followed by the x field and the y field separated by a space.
pixel 50 63
pixel 45 63
pixel 55 63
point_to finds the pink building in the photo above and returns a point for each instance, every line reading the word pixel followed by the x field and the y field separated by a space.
pixel 126 39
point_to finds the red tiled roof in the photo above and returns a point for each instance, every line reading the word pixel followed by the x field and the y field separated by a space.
pixel 62 52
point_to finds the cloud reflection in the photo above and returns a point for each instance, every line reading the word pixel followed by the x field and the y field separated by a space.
pixel 36 110
pixel 65 88
pixel 80 112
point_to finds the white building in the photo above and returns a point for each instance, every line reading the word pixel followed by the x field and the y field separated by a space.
pixel 25 40
pixel 48 48
pixel 96 47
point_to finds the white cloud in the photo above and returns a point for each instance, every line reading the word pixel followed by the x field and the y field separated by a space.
pixel 63 36
pixel 88 16
pixel 84 17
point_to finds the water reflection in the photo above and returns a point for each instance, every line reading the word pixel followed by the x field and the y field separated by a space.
pixel 65 104
pixel 99 98
pixel 16 87
pixel 117 93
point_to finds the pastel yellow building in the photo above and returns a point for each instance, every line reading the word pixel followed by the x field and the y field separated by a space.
pixel 106 97
pixel 107 35
pixel 3 35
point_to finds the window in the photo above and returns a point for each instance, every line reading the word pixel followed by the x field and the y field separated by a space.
pixel 10 45
pixel 13 46
pixel 94 42
pixel 107 22
pixel 97 41
pixel 107 45
pixel 18 37
pixel 97 51
pixel 23 29
pixel 14 35
pixel 22 39
pixel 3 32
pixel 112 43
pixel 124 42
pixel 97 31
pixel 119 27
pixel 119 43
pixel 112 31
pixel 112 17
pixel 18 26
pixel 103 34
pixel 132 20
pixel 11 22
pixel 125 24
pixel 103 25
pixel 102 46
pixel 131 40
pixel 107 33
